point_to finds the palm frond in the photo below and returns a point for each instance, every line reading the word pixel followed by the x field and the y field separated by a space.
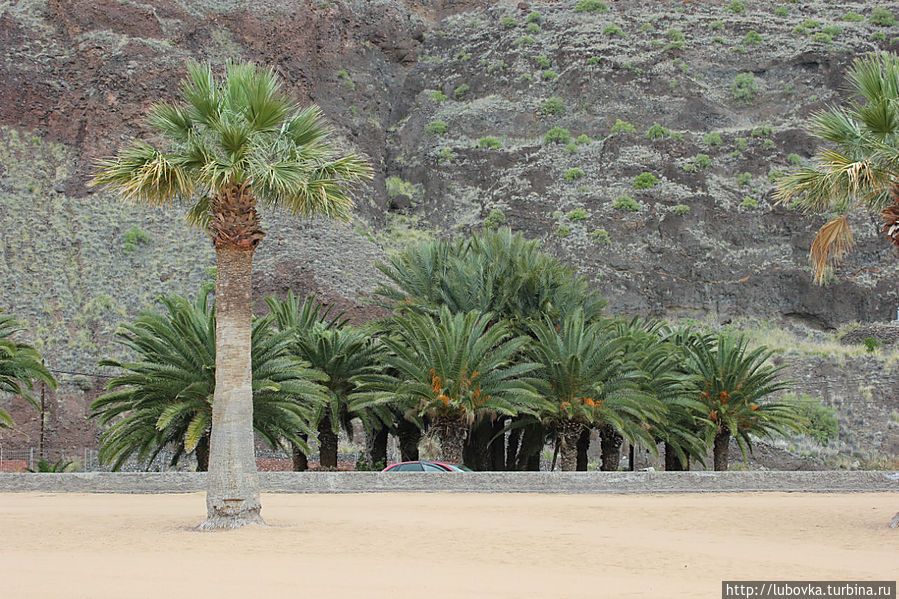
pixel 832 242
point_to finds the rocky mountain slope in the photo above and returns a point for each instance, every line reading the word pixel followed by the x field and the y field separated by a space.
pixel 640 143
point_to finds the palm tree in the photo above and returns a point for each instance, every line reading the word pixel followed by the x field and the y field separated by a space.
pixel 861 170
pixel 457 368
pixel 231 144
pixel 20 366
pixel 734 382
pixel 586 380
pixel 165 399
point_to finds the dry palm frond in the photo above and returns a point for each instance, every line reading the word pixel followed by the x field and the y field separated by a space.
pixel 890 216
pixel 831 243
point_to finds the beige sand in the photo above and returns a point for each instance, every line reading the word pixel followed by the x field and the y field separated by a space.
pixel 440 545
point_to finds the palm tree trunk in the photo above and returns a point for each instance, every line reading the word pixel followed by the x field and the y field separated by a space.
pixel 497 461
pixel 408 434
pixel 327 444
pixel 232 496
pixel 452 433
pixel 722 443
pixel 512 448
pixel 583 445
pixel 377 448
pixel 202 454
pixel 672 462
pixel 611 449
pixel 475 452
pixel 531 445
pixel 569 433
pixel 300 460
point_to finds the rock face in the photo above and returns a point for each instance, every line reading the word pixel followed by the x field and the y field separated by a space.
pixel 452 101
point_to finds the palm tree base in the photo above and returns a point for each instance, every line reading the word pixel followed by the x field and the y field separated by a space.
pixel 894 523
pixel 233 513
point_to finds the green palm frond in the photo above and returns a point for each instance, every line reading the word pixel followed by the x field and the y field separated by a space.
pixel 20 366
pixel 164 397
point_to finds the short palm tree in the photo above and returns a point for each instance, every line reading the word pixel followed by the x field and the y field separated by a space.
pixel 456 368
pixel 587 380
pixel 861 169
pixel 230 144
pixel 734 383
pixel 20 367
pixel 165 398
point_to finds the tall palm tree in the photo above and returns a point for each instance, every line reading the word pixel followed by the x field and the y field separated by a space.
pixel 165 398
pixel 586 380
pixel 230 144
pixel 734 383
pixel 861 168
pixel 457 368
pixel 20 367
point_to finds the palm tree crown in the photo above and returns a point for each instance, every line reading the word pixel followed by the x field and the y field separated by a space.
pixel 861 169
pixel 20 366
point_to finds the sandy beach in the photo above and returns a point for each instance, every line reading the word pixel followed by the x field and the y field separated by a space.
pixel 438 545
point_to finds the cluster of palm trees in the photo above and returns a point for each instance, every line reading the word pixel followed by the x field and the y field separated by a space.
pixel 493 348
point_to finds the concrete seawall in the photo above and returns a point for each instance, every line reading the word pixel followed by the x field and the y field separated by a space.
pixel 468 482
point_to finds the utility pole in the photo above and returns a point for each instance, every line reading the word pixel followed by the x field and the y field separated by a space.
pixel 43 416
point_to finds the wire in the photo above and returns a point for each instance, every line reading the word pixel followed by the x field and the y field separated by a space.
pixel 99 376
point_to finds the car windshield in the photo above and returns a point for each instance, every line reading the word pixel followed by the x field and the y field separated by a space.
pixel 459 468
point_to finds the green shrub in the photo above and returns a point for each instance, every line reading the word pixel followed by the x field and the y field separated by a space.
pixel 811 24
pixel 621 126
pixel 749 203
pixel 573 174
pixel 768 143
pixel 822 37
pixel 700 161
pixel 675 35
pixel 563 231
pixel 882 16
pixel 781 11
pixel 647 27
pixel 496 66
pixel 743 88
pixel 716 25
pixel 774 175
pixel 833 30
pixel 681 209
pixel 508 22
pixel 494 220
pixel 542 62
pixel 712 139
pixel 763 131
pixel 600 236
pixel 571 147
pixel 557 135
pixel 133 237
pixel 794 159
pixel 438 96
pixel 871 343
pixel 446 155
pixel 627 203
pixel 613 30
pixel 582 139
pixel 737 7
pixel 461 92
pixel 878 36
pixel 534 17
pixel 549 75
pixel 645 181
pixel 577 214
pixel 799 30
pixel 462 55
pixel 853 17
pixel 744 178
pixel 435 128
pixel 656 131
pixel 594 60
pixel 741 143
pixel 553 105
pixel 532 28
pixel 524 40
pixel 719 40
pixel 590 6
pixel 823 425
pixel 752 38
pixel 489 143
